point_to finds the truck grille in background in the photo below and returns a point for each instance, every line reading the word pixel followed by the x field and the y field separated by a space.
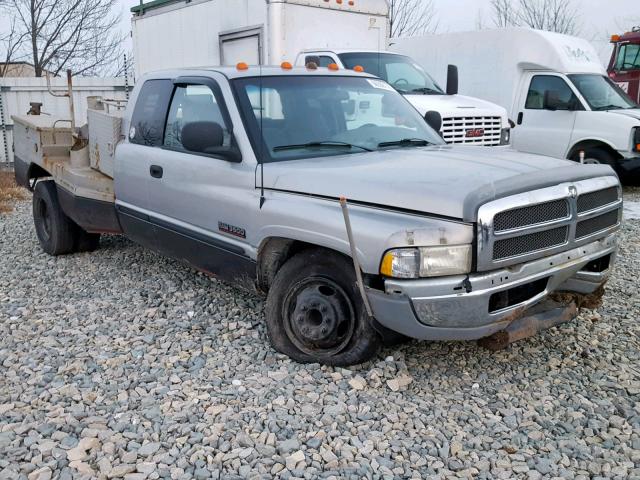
pixel 563 217
pixel 455 130
pixel 533 215
pixel 597 224
pixel 533 242
pixel 600 198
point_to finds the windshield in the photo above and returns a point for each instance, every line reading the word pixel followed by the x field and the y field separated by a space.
pixel 404 74
pixel 628 57
pixel 601 93
pixel 293 117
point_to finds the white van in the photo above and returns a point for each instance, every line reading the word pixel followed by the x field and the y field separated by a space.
pixel 553 86
pixel 175 33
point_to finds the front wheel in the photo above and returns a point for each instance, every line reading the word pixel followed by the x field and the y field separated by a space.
pixel 315 312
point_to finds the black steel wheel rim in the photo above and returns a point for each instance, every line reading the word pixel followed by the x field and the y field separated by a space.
pixel 45 216
pixel 319 317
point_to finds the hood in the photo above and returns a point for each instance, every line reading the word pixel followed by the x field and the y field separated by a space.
pixel 444 181
pixel 456 106
pixel 633 113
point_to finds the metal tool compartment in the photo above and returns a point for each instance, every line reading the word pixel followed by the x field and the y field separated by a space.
pixel 105 131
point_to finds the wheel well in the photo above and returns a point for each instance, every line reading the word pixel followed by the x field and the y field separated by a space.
pixel 36 171
pixel 589 144
pixel 273 254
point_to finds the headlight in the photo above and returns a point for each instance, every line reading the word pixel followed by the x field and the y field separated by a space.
pixel 427 261
pixel 636 140
pixel 505 136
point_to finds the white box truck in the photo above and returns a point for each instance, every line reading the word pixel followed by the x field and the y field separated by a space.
pixel 553 85
pixel 179 33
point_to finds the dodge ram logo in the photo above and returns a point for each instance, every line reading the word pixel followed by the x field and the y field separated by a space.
pixel 475 133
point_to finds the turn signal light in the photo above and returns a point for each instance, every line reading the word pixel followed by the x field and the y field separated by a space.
pixel 333 66
pixel 242 66
pixel 358 68
pixel 615 38
pixel 286 66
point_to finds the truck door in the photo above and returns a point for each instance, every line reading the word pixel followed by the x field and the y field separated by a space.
pixel 546 115
pixel 201 202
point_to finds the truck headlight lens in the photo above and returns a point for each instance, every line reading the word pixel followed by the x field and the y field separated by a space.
pixel 505 136
pixel 427 261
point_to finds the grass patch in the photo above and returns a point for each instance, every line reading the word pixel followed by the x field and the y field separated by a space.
pixel 9 191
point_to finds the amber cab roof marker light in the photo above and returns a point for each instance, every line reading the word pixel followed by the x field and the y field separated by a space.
pixel 242 66
pixel 286 66
pixel 358 68
pixel 333 66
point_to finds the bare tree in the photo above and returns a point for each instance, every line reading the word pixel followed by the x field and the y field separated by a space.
pixel 81 35
pixel 553 15
pixel 408 18
pixel 10 44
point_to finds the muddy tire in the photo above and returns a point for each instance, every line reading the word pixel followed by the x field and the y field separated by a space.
pixel 56 232
pixel 315 312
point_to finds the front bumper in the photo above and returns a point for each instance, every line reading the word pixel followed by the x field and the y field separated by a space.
pixel 629 165
pixel 464 308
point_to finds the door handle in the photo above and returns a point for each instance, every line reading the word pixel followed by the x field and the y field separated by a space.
pixel 156 171
pixel 520 115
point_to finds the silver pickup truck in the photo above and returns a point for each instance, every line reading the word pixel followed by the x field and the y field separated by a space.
pixel 327 190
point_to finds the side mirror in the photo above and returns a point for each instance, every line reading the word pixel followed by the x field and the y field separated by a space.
pixel 452 80
pixel 207 138
pixel 434 120
pixel 552 101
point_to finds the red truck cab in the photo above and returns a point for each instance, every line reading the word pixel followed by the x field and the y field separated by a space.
pixel 624 66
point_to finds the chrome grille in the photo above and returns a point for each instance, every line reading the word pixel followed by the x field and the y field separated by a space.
pixel 533 242
pixel 597 224
pixel 533 224
pixel 533 215
pixel 455 130
pixel 600 198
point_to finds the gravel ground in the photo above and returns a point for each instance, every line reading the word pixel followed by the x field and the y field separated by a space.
pixel 122 363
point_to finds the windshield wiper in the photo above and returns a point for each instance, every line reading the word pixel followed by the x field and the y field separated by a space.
pixel 611 107
pixel 406 142
pixel 328 143
pixel 428 91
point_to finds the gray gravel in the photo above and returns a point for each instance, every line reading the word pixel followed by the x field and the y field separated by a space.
pixel 123 364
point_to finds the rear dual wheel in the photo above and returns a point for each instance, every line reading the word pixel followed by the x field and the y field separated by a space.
pixel 57 233
pixel 315 311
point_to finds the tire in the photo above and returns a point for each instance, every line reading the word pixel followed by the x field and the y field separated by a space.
pixel 315 312
pixel 596 155
pixel 56 232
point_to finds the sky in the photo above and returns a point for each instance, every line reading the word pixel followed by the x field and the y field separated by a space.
pixel 598 18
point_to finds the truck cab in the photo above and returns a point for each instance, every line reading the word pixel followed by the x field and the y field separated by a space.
pixel 459 119
pixel 624 66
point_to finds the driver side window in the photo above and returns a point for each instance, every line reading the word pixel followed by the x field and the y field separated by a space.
pixel 193 104
pixel 549 85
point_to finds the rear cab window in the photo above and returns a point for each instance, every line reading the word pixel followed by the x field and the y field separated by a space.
pixel 149 114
